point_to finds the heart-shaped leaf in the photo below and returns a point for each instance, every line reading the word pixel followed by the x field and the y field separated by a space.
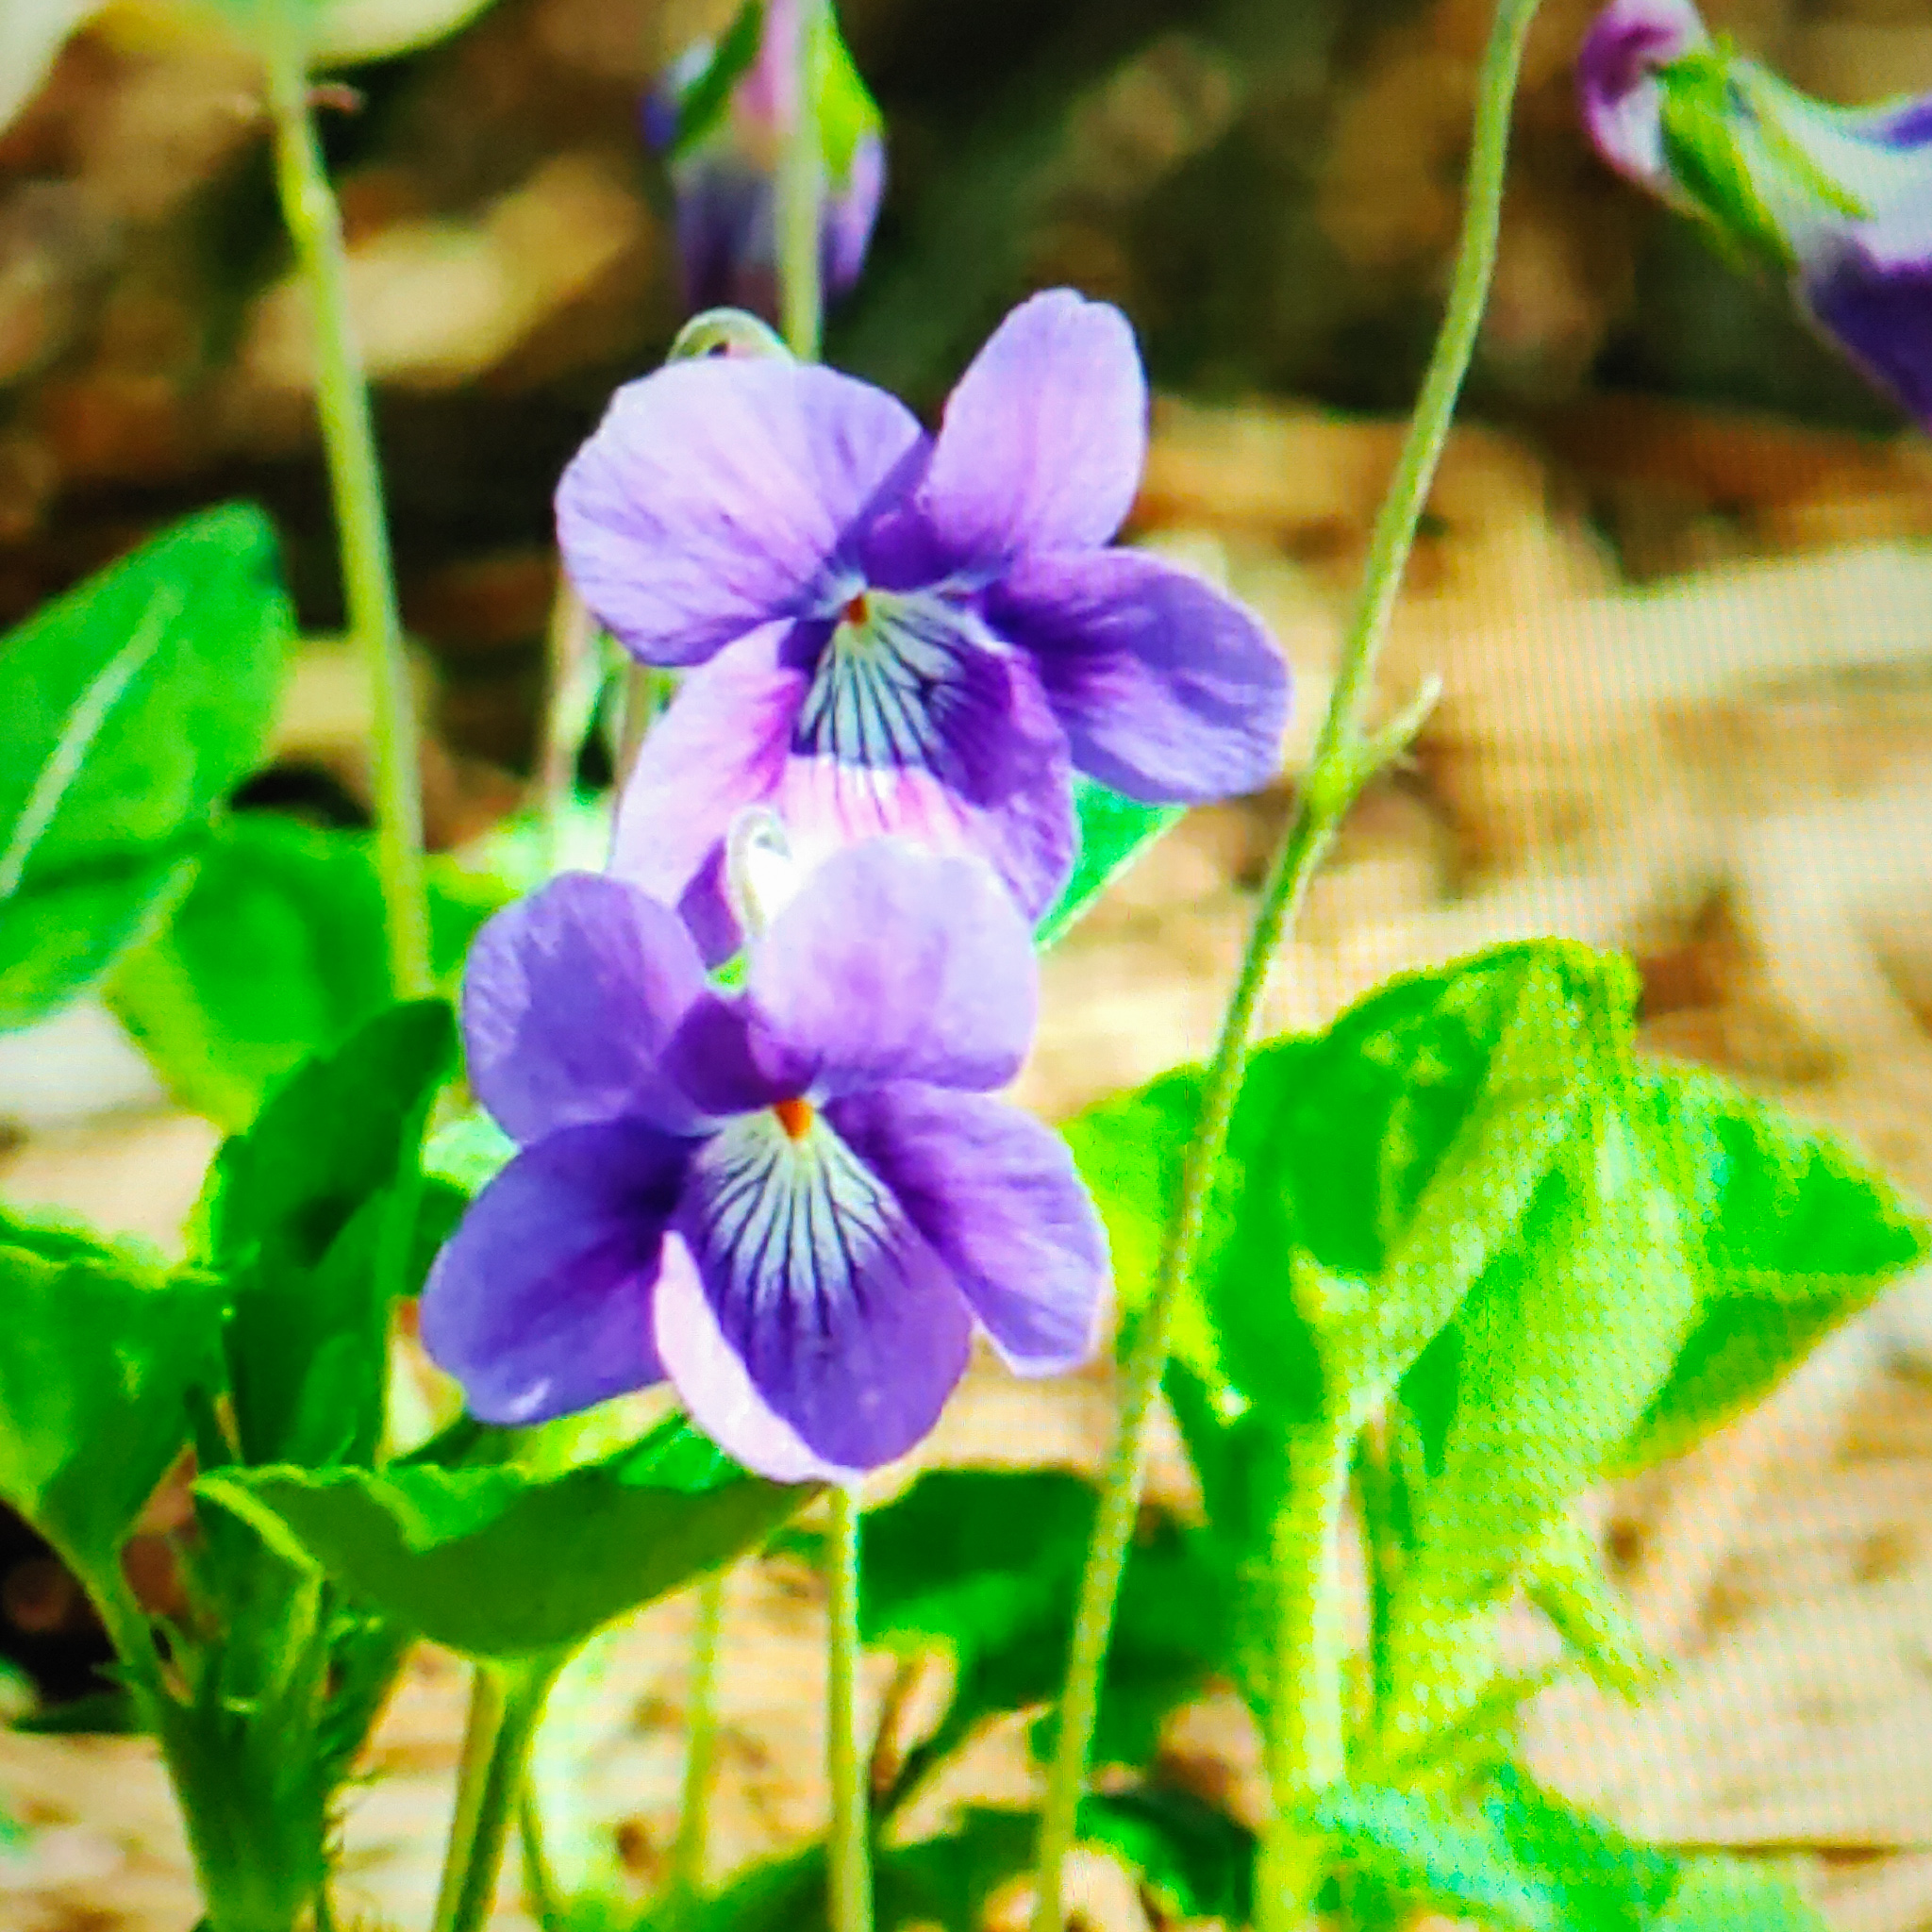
pixel 498 1564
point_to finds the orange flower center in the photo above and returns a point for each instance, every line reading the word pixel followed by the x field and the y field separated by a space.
pixel 857 609
pixel 794 1116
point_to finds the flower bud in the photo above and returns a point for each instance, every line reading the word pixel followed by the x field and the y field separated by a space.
pixel 1839 200
pixel 723 116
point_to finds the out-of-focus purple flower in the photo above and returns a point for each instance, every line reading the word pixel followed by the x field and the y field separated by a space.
pixel 893 632
pixel 796 1201
pixel 726 181
pixel 1839 200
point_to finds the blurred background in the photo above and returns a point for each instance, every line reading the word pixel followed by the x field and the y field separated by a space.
pixel 1674 578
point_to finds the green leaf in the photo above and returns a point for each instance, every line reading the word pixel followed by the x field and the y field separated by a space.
pixel 496 1564
pixel 702 105
pixel 311 1215
pixel 1114 832
pixel 986 1564
pixel 945 1882
pixel 1372 1173
pixel 470 1151
pixel 1791 1234
pixel 1196 1861
pixel 1601 1881
pixel 136 702
pixel 277 953
pixel 1453 1859
pixel 1556 1352
pixel 847 112
pixel 99 1361
pixel 1717 1894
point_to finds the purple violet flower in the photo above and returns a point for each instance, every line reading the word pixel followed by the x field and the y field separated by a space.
pixel 1839 200
pixel 797 1201
pixel 892 632
pixel 724 184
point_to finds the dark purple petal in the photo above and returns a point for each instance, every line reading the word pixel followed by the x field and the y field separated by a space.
pixel 726 233
pixel 1169 690
pixel 727 1066
pixel 1043 443
pixel 828 1313
pixel 1882 316
pixel 570 997
pixel 894 963
pixel 716 494
pixel 721 747
pixel 922 724
pixel 541 1304
pixel 995 1193
pixel 1616 81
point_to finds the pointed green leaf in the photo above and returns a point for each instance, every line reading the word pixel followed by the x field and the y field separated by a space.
pixel 1791 1234
pixel 497 1564
pixel 1601 1880
pixel 276 954
pixel 1423 1848
pixel 1114 832
pixel 1718 1894
pixel 94 1379
pixel 136 702
pixel 311 1215
pixel 703 104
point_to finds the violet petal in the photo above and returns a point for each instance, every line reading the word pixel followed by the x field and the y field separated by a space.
pixel 1170 690
pixel 847 1326
pixel 569 999
pixel 892 963
pixel 996 1194
pixel 540 1304
pixel 720 747
pixel 716 494
pixel 1043 443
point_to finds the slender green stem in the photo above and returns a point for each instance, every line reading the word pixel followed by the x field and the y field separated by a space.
pixel 540 1879
pixel 1345 758
pixel 849 1853
pixel 700 1742
pixel 801 200
pixel 469 1879
pixel 1305 1740
pixel 348 434
pixel 481 1728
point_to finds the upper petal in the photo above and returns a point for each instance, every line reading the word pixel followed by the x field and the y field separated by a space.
pixel 1169 690
pixel 892 963
pixel 996 1194
pixel 1043 443
pixel 715 495
pixel 823 1308
pixel 570 998
pixel 720 747
pixel 1616 81
pixel 540 1304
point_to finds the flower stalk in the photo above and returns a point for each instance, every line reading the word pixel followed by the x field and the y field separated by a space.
pixel 496 1753
pixel 699 1744
pixel 801 201
pixel 1346 758
pixel 1305 1733
pixel 849 1873
pixel 315 228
